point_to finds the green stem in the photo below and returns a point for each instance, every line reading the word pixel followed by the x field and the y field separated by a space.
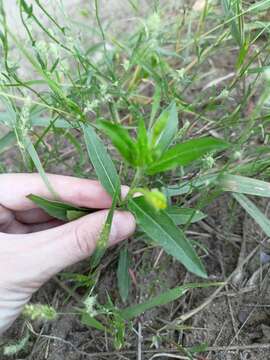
pixel 134 185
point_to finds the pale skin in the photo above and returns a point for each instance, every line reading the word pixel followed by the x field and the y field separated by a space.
pixel 34 247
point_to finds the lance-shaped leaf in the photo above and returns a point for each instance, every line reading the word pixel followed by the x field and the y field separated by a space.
pixel 185 153
pixel 165 129
pixel 101 160
pixel 182 216
pixel 59 210
pixel 120 139
pixel 142 144
pixel 162 230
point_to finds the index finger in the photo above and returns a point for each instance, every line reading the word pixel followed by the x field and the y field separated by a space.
pixel 81 192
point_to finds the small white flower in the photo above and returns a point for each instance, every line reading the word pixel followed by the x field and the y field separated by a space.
pixel 89 304
pixel 91 106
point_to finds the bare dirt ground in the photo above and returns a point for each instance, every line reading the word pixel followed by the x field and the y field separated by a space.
pixel 235 323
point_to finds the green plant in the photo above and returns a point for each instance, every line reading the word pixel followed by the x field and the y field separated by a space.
pixel 136 92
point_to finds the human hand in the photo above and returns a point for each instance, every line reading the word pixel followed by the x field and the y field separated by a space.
pixel 34 247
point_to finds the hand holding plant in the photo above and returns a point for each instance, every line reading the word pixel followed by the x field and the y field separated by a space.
pixel 34 246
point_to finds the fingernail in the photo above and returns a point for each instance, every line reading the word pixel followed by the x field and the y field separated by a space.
pixel 123 226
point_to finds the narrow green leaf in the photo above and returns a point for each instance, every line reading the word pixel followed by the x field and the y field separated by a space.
pixel 162 230
pixel 185 187
pixel 59 210
pixel 34 156
pixel 162 299
pixel 103 240
pixel 244 185
pixel 165 129
pixel 123 277
pixel 50 208
pixel 120 139
pixel 92 322
pixel 185 153
pixel 75 214
pixel 258 6
pixel 182 216
pixel 43 121
pixel 258 70
pixel 254 212
pixel 7 141
pixel 232 12
pixel 156 104
pixel 143 151
pixel 101 160
pixel 7 117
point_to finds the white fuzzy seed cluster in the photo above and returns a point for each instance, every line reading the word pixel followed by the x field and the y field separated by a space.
pixel 39 312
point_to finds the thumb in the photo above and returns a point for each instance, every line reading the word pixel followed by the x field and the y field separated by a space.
pixel 67 244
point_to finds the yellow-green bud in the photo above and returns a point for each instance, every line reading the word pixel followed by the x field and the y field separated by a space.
pixel 156 198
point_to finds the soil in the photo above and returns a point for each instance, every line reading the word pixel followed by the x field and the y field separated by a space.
pixel 234 325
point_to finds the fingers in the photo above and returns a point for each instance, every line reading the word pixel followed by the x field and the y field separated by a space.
pixel 44 226
pixel 65 245
pixel 17 222
pixel 82 192
pixel 29 260
pixel 9 224
pixel 32 216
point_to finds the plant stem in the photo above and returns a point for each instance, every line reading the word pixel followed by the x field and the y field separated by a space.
pixel 134 185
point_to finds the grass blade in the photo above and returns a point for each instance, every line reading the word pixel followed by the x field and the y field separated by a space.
pixel 155 105
pixel 188 186
pixel 162 299
pixel 7 141
pixel 29 147
pixel 233 13
pixel 101 160
pixel 105 233
pixel 258 6
pixel 244 185
pixel 123 277
pixel 254 212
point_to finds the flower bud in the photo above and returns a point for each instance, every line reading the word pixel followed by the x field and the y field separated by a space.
pixel 157 199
